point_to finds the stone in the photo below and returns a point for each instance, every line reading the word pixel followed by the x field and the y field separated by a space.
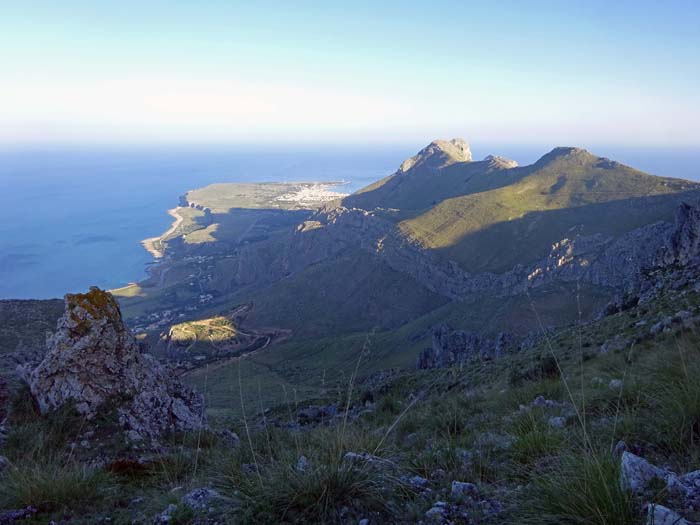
pixel 619 449
pixel 166 516
pixel 557 422
pixel 637 473
pixel 362 457
pixel 315 414
pixel 200 499
pixel 411 440
pixel 438 474
pixel 4 463
pixel 15 515
pixel 615 384
pixel 435 514
pixel 662 325
pixel 94 363
pixel 417 482
pixel 302 464
pixel 363 521
pixel 230 437
pixel 462 490
pixel 688 487
pixel 660 515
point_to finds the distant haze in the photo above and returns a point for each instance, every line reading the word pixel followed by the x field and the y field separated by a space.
pixel 575 73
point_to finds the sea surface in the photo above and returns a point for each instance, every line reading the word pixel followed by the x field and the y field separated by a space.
pixel 71 217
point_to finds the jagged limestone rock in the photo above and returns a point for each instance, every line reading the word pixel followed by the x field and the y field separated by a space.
pixel 660 515
pixel 637 473
pixel 4 400
pixel 451 347
pixel 438 154
pixel 94 362
pixel 500 163
pixel 683 244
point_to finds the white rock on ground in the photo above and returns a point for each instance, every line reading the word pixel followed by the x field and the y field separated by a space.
pixel 660 515
pixel 636 473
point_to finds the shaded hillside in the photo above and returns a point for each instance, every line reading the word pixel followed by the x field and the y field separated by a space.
pixel 587 425
pixel 490 215
pixel 479 244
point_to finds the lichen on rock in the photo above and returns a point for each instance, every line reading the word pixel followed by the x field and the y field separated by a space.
pixel 94 363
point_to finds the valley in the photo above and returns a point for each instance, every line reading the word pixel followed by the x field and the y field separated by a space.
pixel 479 245
pixel 455 343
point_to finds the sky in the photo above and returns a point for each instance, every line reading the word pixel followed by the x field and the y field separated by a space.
pixel 521 71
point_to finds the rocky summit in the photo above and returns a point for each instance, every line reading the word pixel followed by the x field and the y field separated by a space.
pixel 94 364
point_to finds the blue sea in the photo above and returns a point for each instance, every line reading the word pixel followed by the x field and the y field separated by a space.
pixel 72 217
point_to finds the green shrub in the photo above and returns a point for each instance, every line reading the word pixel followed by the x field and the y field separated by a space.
pixel 53 486
pixel 534 438
pixel 580 488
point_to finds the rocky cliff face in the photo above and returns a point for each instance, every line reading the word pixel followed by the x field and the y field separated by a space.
pixel 682 245
pixel 94 363
pixel 613 262
pixel 4 400
pixel 452 347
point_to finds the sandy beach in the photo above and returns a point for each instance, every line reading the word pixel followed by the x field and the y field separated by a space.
pixel 152 244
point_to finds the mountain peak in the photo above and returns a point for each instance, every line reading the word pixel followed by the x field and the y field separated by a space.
pixel 439 153
pixel 579 155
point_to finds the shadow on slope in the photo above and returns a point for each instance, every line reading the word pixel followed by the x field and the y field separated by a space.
pixel 524 240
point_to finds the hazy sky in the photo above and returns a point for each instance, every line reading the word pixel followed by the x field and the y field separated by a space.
pixel 564 72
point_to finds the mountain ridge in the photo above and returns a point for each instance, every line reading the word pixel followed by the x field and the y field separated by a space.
pixel 466 242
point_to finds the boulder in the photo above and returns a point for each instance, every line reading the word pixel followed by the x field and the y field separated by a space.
pixel 557 422
pixel 660 515
pixel 302 464
pixel 315 414
pixel 461 490
pixel 230 437
pixel 615 385
pixel 637 473
pixel 200 499
pixel 16 515
pixel 95 364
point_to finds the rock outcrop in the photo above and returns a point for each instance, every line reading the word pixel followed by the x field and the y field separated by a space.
pixel 683 244
pixel 452 347
pixel 438 154
pixel 4 410
pixel 500 163
pixel 643 479
pixel 94 363
pixel 4 400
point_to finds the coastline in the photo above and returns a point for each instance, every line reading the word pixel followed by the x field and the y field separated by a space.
pixel 151 244
pixel 301 194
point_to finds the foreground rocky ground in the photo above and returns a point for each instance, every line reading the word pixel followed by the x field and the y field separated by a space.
pixel 597 423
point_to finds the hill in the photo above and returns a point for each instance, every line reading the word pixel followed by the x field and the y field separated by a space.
pixel 445 238
pixel 596 422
